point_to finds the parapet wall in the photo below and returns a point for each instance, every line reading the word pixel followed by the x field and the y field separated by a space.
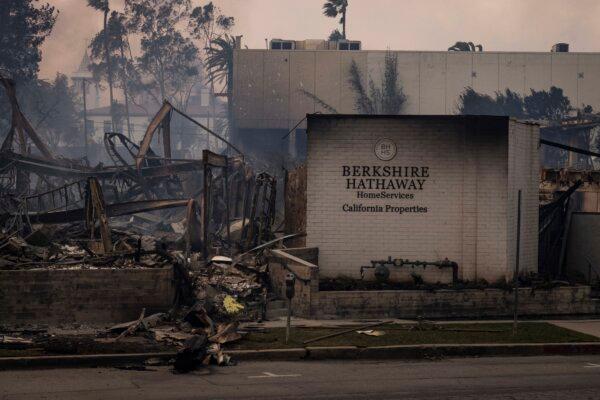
pixel 99 296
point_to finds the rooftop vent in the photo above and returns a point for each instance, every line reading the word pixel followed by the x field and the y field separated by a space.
pixel 348 45
pixel 560 48
pixel 278 44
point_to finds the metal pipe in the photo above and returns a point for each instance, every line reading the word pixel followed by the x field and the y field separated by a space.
pixel 205 128
pixel 345 331
pixel 205 209
pixel 288 320
pixel 399 262
pixel 85 133
pixel 226 189
pixel 516 278
pixel 569 148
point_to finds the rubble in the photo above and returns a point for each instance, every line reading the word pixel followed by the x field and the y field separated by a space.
pixel 76 251
pixel 221 292
pixel 209 219
pixel 371 332
pixel 14 342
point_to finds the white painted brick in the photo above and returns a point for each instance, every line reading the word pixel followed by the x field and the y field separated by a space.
pixel 470 195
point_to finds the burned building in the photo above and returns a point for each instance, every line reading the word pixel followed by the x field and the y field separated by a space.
pixel 422 188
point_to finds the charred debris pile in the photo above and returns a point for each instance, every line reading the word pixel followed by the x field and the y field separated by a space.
pixel 211 219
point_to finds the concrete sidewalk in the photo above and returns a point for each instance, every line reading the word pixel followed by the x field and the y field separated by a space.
pixel 321 323
pixel 588 326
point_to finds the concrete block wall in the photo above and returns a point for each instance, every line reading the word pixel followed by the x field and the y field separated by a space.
pixel 268 84
pixel 488 303
pixel 465 195
pixel 99 296
pixel 310 302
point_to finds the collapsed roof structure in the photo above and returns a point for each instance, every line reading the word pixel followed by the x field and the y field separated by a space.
pixel 37 186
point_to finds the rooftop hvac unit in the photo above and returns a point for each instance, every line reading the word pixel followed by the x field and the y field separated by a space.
pixel 278 44
pixel 560 48
pixel 348 45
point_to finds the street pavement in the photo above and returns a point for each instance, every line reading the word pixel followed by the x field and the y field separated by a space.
pixel 575 377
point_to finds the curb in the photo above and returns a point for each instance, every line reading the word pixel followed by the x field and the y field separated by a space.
pixel 408 352
pixel 75 361
pixel 268 354
pixel 411 352
pixel 400 352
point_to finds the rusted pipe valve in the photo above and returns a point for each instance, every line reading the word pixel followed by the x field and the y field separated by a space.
pixel 382 270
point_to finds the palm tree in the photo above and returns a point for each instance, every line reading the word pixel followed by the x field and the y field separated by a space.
pixel 335 36
pixel 385 98
pixel 333 8
pixel 102 5
pixel 465 46
pixel 219 64
pixel 319 101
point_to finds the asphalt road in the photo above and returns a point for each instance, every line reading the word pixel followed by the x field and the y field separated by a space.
pixel 484 378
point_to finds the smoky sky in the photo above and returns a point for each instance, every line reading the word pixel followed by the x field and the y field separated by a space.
pixel 499 25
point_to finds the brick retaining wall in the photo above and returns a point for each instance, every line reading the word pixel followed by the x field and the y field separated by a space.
pixel 100 296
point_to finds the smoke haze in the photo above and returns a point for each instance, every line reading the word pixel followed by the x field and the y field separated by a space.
pixel 505 25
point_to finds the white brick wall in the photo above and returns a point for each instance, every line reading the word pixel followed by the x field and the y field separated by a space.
pixel 465 194
pixel 523 172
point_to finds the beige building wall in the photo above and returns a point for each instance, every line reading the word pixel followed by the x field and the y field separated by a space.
pixel 269 85
pixel 473 165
